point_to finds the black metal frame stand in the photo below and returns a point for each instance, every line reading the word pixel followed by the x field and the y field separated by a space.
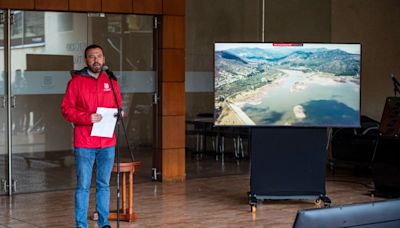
pixel 120 119
pixel 396 85
pixel 288 163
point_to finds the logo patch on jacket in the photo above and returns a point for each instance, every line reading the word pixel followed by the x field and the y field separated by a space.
pixel 107 87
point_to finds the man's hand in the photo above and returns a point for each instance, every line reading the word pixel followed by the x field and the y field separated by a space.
pixel 95 117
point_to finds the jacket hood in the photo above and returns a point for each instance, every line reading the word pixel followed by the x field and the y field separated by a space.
pixel 81 72
pixel 84 72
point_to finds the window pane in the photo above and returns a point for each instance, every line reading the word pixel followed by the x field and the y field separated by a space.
pixel 34 28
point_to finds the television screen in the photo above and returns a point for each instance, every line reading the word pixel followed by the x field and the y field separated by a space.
pixel 287 84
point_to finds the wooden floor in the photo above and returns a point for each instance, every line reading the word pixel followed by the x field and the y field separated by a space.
pixel 199 202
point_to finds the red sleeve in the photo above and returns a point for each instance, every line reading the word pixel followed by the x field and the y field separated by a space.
pixel 69 109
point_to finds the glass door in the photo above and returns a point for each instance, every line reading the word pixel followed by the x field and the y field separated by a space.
pixel 45 47
pixel 42 157
pixel 4 164
pixel 128 41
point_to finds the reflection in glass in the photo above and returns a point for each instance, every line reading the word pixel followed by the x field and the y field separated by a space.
pixel 3 153
pixel 46 46
pixel 27 29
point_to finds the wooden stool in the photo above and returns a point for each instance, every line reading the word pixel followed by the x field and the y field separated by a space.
pixel 126 213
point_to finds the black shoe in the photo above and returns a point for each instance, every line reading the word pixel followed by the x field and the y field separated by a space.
pixel 106 226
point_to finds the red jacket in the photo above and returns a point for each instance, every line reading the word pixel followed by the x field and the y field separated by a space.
pixel 82 97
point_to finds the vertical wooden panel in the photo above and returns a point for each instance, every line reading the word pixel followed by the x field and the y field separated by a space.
pixel 117 6
pixel 172 89
pixel 173 165
pixel 174 7
pixel 173 65
pixel 85 5
pixel 173 98
pixel 147 6
pixel 173 32
pixel 51 5
pixel 17 4
pixel 173 132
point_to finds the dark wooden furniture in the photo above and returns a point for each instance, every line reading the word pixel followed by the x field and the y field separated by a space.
pixel 126 211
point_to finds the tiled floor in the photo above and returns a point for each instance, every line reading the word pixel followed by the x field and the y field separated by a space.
pixel 35 172
pixel 214 195
pixel 200 202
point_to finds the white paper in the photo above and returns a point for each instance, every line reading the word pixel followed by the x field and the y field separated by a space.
pixel 105 128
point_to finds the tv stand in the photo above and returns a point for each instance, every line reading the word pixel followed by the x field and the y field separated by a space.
pixel 288 163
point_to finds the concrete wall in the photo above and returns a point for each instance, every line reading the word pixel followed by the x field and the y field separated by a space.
pixel 374 24
pixel 210 21
pixel 297 21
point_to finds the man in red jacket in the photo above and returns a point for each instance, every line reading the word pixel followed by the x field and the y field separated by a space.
pixel 87 90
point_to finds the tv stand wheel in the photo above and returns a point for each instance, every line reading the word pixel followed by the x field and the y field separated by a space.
pixel 253 208
pixel 323 201
pixel 321 204
pixel 318 202
pixel 327 204
pixel 252 202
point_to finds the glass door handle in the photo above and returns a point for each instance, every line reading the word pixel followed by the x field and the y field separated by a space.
pixel 13 101
pixel 156 98
pixel 4 185
pixel 4 101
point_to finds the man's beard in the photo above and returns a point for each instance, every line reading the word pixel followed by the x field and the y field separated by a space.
pixel 95 69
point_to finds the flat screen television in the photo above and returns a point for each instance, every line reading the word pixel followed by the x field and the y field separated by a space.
pixel 287 84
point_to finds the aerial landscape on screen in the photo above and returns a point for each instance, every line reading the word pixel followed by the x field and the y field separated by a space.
pixel 287 84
